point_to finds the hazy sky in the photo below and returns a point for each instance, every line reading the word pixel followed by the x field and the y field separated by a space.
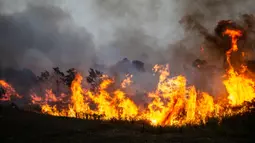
pixel 75 31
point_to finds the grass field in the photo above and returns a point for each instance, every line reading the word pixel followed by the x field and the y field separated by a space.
pixel 20 126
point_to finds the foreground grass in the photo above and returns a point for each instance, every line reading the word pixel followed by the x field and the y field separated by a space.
pixel 20 126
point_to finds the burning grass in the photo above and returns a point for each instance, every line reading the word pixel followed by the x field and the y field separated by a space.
pixel 173 103
pixel 22 126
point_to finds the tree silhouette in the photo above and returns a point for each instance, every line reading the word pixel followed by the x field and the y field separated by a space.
pixel 59 76
pixel 94 78
pixel 44 76
pixel 70 76
pixel 58 72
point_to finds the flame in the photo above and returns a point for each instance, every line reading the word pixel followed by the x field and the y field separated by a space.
pixel 35 99
pixel 49 97
pixel 173 103
pixel 77 99
pixel 9 91
pixel 117 106
pixel 127 81
pixel 239 87
pixel 234 35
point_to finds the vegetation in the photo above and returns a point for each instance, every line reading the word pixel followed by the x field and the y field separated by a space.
pixel 21 126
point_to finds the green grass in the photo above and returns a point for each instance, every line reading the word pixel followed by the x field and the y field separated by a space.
pixel 21 126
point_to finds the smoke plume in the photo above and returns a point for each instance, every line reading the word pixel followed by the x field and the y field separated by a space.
pixel 39 34
pixel 41 37
pixel 66 33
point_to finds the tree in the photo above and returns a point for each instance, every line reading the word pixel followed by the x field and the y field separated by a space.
pixel 71 73
pixel 94 78
pixel 58 72
pixel 44 76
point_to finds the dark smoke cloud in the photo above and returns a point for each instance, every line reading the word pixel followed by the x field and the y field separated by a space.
pixel 41 37
pixel 150 30
pixel 135 29
pixel 135 45
pixel 156 17
pixel 41 34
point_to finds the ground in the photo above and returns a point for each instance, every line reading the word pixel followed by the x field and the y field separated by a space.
pixel 20 126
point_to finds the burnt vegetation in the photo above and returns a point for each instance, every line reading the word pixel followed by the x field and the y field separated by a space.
pixel 59 75
pixel 94 78
pixel 238 128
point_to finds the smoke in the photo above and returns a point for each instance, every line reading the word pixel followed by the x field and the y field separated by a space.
pixel 65 33
pixel 153 24
pixel 209 12
pixel 42 36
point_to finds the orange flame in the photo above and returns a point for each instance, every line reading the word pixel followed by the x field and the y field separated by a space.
pixel 172 103
pixel 9 91
pixel 127 81
pixel 239 87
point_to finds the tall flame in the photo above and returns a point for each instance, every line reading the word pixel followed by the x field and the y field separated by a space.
pixel 77 99
pixel 239 87
pixel 172 103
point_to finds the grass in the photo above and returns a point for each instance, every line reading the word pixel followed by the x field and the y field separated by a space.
pixel 22 126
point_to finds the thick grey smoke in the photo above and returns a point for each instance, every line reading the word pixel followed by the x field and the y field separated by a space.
pixel 42 36
pixel 153 24
pixel 136 29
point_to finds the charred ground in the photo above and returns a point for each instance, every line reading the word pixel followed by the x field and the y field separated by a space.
pixel 22 126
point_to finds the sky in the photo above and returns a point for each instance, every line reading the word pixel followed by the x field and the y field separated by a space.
pixel 80 33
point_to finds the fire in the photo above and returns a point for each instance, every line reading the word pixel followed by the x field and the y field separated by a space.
pixel 36 99
pixel 239 87
pixel 117 105
pixel 127 81
pixel 173 103
pixel 77 105
pixel 234 35
pixel 9 91
pixel 77 99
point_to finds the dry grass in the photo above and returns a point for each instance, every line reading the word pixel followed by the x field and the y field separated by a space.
pixel 21 126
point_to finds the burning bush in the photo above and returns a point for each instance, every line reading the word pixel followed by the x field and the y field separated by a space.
pixel 172 102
